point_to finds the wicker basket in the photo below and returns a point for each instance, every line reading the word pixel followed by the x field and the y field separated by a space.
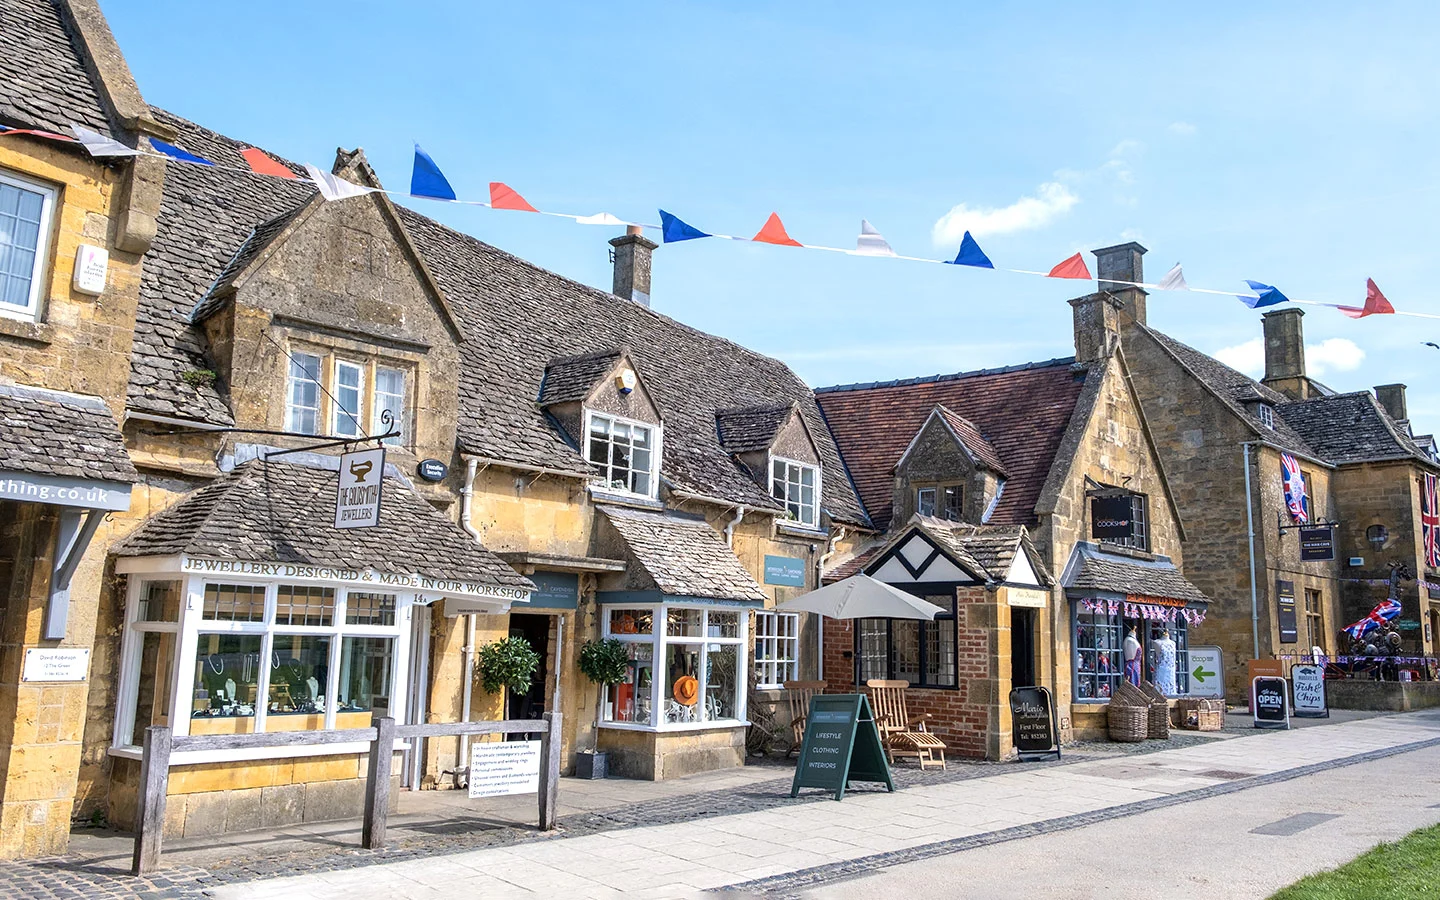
pixel 1127 694
pixel 1201 715
pixel 1128 724
pixel 1158 722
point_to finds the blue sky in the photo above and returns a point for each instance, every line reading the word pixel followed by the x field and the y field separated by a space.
pixel 1293 144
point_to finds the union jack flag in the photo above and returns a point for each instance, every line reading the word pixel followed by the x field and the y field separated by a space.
pixel 1430 521
pixel 1387 610
pixel 1296 499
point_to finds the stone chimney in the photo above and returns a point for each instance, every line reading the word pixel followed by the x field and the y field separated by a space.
pixel 1097 326
pixel 632 265
pixel 1392 397
pixel 1122 263
pixel 1285 353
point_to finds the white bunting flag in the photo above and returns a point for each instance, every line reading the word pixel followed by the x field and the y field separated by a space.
pixel 603 218
pixel 1174 280
pixel 333 187
pixel 870 243
pixel 99 144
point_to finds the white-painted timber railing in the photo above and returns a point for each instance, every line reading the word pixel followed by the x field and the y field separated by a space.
pixel 159 744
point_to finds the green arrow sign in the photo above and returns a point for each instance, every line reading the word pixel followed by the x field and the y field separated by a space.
pixel 1201 673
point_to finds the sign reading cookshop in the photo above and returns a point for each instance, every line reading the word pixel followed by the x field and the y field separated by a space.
pixel 1111 517
pixel 357 503
pixel 302 572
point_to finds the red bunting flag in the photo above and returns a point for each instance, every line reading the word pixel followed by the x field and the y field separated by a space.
pixel 1375 303
pixel 1074 267
pixel 261 163
pixel 774 233
pixel 502 196
pixel 37 133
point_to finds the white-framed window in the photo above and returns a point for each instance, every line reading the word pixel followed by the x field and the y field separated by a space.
pixel 349 405
pixel 625 452
pixel 686 670
pixel 228 656
pixel 798 487
pixel 777 649
pixel 390 398
pixel 302 399
pixel 1266 414
pixel 26 208
pixel 925 501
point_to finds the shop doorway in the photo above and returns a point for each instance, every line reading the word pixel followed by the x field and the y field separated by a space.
pixel 1022 647
pixel 535 630
pixel 417 695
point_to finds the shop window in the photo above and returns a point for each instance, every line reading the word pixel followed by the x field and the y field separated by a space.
pixel 920 652
pixel 349 393
pixel 1314 620
pixel 301 605
pixel 796 486
pixel 234 603
pixel 159 602
pixel 952 502
pixel 227 683
pixel 302 404
pixel 1180 634
pixel 152 694
pixel 25 211
pixel 925 501
pixel 390 400
pixel 777 649
pixel 299 680
pixel 1139 537
pixel 623 452
pixel 365 664
pixel 701 655
pixel 1099 658
pixel 362 608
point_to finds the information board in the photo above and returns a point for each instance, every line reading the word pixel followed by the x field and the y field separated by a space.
pixel 504 767
pixel 1285 597
pixel 1032 723
pixel 1272 707
pixel 841 745
pixel 784 570
pixel 1308 686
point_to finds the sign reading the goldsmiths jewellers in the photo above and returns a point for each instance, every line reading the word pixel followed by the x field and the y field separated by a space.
pixel 357 503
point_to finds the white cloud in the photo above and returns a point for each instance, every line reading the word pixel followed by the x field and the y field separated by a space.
pixel 1184 129
pixel 1330 355
pixel 1051 201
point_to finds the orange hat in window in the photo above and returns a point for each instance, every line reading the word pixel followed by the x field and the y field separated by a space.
pixel 686 690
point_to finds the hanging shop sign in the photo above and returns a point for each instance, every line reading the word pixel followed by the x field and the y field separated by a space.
pixel 1285 600
pixel 506 767
pixel 1032 719
pixel 62 664
pixel 1111 517
pixel 1317 544
pixel 784 570
pixel 432 469
pixel 1307 683
pixel 555 590
pixel 1207 674
pixel 841 745
pixel 357 503
pixel 1271 708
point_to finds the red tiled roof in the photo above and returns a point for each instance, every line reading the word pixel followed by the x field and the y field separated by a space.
pixel 1022 410
pixel 974 441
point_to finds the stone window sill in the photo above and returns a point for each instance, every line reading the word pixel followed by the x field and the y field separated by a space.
pixel 37 332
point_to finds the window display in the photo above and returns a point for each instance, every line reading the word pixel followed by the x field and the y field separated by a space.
pixel 227 680
pixel 299 681
pixel 1098 663
pixel 1104 641
pixel 702 653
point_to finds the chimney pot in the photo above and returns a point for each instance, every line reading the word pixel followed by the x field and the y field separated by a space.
pixel 1392 397
pixel 1122 263
pixel 632 265
pixel 1097 326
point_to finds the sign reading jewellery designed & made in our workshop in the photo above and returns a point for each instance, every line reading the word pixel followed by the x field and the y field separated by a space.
pixel 357 502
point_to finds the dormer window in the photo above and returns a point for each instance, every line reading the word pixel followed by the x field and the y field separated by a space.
pixel 624 452
pixel 797 486
pixel 1266 413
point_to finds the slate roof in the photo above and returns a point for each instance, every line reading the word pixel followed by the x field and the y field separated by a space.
pixel 1093 569
pixel 1346 428
pixel 65 435
pixel 969 435
pixel 752 428
pixel 281 512
pixel 43 82
pixel 572 378
pixel 683 556
pixel 254 245
pixel 517 318
pixel 993 547
pixel 1023 410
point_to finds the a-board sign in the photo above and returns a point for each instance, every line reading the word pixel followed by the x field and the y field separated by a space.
pixel 842 744
pixel 1285 599
pixel 1272 706
pixel 1032 722
pixel 357 502
pixel 1317 544
pixel 504 767
pixel 1207 672
pixel 1308 686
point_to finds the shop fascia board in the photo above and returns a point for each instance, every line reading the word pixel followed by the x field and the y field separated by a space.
pixel 641 598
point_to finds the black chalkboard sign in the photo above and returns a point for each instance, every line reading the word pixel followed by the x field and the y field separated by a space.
pixel 1285 606
pixel 841 745
pixel 1032 722
pixel 1272 707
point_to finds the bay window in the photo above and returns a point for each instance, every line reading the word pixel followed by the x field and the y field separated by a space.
pixel 1098 645
pixel 25 211
pixel 624 453
pixel 777 649
pixel 700 652
pixel 797 487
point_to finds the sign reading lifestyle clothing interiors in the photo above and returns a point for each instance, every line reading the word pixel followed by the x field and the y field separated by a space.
pixel 300 571
pixel 504 767
pixel 357 502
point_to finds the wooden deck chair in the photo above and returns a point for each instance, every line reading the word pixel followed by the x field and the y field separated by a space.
pixel 798 693
pixel 902 734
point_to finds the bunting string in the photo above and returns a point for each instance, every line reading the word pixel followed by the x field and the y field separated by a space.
pixel 428 182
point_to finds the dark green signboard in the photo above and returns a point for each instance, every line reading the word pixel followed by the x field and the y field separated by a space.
pixel 841 745
pixel 784 570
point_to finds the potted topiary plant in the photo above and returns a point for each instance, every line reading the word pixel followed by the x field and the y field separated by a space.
pixel 606 663
pixel 507 664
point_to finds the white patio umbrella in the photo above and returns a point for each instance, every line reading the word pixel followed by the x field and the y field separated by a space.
pixel 861 597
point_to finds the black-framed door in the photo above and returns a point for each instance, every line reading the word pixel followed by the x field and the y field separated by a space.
pixel 1022 647
pixel 535 630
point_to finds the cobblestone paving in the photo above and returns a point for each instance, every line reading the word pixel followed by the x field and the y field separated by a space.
pixel 70 877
